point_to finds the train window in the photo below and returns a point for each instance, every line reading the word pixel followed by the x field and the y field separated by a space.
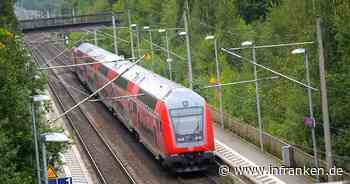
pixel 138 77
pixel 119 65
pixel 188 125
pixel 103 70
pixel 122 83
pixel 159 125
pixel 147 99
pixel 135 107
pixel 132 106
pixel 89 50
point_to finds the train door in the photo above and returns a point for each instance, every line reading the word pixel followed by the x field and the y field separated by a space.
pixel 115 93
pixel 80 70
pixel 99 79
pixel 133 112
pixel 102 79
pixel 90 75
pixel 82 73
pixel 158 134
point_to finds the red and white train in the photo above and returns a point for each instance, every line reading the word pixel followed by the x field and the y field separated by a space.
pixel 172 121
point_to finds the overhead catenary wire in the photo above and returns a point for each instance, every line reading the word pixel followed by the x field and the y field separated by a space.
pixel 116 98
pixel 106 35
pixel 164 49
pixel 70 86
pixel 67 49
pixel 98 90
pixel 80 64
pixel 266 68
pixel 274 45
pixel 241 82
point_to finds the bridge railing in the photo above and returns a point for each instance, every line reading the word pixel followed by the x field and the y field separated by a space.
pixel 32 24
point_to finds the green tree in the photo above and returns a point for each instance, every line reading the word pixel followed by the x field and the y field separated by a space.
pixel 17 85
pixel 253 10
pixel 7 16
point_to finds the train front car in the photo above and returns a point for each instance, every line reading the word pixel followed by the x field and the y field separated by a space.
pixel 189 134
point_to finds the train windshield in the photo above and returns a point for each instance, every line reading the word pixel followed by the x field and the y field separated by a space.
pixel 187 125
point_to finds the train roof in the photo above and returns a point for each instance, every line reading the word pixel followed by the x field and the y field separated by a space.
pixel 148 81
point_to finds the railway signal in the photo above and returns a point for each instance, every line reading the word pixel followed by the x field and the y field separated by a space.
pixel 51 173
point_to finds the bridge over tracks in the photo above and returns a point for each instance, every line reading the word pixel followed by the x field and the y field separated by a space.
pixel 68 22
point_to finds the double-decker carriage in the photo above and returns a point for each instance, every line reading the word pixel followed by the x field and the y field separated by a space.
pixel 172 121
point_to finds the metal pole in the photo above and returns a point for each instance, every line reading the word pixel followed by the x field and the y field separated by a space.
pixel 36 144
pixel 44 162
pixel 188 12
pixel 314 6
pixel 324 101
pixel 131 36
pixel 168 60
pixel 95 37
pixel 257 99
pixel 115 35
pixel 311 112
pixel 73 13
pixel 219 82
pixel 138 42
pixel 189 57
pixel 151 47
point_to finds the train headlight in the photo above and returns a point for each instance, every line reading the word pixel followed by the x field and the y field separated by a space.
pixel 198 137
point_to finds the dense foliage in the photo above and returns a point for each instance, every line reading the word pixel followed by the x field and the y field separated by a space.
pixel 7 16
pixel 15 127
pixel 17 85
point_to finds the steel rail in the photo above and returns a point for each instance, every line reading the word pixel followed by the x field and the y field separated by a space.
pixel 80 138
pixel 116 157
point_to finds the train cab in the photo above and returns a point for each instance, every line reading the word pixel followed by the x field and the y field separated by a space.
pixel 191 130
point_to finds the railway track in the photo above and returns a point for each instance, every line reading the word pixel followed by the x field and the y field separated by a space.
pixel 140 161
pixel 106 163
pixel 197 178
